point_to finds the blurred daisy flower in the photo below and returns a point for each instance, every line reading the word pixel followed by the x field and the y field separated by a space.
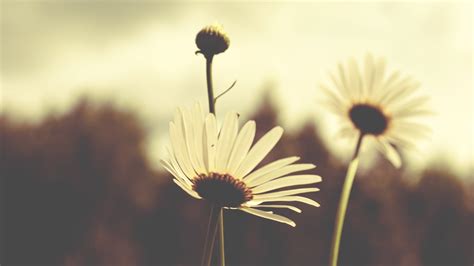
pixel 219 166
pixel 372 103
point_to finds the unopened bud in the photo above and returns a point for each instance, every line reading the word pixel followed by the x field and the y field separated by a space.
pixel 212 40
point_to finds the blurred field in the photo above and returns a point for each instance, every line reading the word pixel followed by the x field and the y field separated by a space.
pixel 78 189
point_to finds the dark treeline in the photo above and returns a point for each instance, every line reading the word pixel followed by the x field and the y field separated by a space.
pixel 77 189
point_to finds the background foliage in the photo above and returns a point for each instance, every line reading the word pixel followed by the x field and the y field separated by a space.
pixel 79 190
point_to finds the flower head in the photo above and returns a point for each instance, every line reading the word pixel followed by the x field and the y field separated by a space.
pixel 383 107
pixel 218 166
pixel 212 40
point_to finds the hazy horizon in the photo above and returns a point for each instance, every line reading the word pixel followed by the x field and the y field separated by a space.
pixel 141 56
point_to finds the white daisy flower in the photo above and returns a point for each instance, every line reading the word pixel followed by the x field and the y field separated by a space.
pixel 376 105
pixel 218 166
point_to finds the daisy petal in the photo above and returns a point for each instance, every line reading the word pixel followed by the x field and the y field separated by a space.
pixel 198 130
pixel 189 132
pixel 391 153
pixel 271 167
pixel 284 193
pixel 354 78
pixel 382 107
pixel 402 141
pixel 192 193
pixel 180 151
pixel 385 86
pixel 392 86
pixel 175 165
pixel 338 84
pixel 210 141
pixel 285 199
pixel 259 151
pixel 241 147
pixel 203 159
pixel 287 181
pixel 417 111
pixel 400 93
pixel 412 128
pixel 268 215
pixel 279 206
pixel 369 74
pixel 169 167
pixel 333 97
pixel 226 141
pixel 409 106
pixel 280 172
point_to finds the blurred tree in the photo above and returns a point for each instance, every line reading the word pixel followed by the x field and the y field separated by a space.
pixel 78 190
pixel 73 185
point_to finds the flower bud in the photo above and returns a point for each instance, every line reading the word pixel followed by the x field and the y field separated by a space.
pixel 212 40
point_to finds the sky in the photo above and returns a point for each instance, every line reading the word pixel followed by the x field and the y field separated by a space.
pixel 140 55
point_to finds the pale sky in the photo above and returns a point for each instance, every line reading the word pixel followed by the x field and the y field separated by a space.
pixel 140 54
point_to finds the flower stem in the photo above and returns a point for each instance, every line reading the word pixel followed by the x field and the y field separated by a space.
pixel 210 89
pixel 216 217
pixel 343 202
pixel 221 237
pixel 210 235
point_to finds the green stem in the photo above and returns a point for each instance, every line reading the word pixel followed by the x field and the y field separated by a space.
pixel 221 237
pixel 343 202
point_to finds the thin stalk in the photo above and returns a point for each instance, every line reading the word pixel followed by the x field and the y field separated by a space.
pixel 210 235
pixel 343 202
pixel 221 237
pixel 210 88
pixel 216 216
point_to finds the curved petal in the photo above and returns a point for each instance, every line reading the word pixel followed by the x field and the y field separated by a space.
pixel 355 79
pixel 175 165
pixel 410 106
pixel 271 167
pixel 287 181
pixel 169 167
pixel 259 151
pixel 179 149
pixel 189 132
pixel 198 129
pixel 268 215
pixel 390 153
pixel 279 207
pixel 278 173
pixel 210 141
pixel 285 199
pixel 285 193
pixel 191 192
pixel 226 140
pixel 344 82
pixel 334 98
pixel 401 92
pixel 241 147
pixel 369 74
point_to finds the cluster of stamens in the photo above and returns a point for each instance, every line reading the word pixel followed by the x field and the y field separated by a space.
pixel 369 119
pixel 222 189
